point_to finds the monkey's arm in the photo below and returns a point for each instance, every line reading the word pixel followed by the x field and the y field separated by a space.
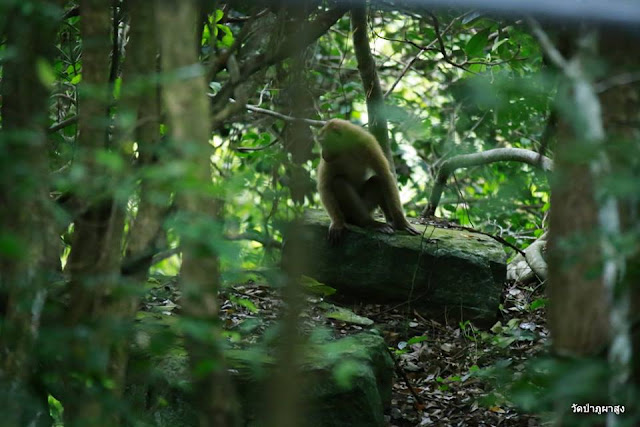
pixel 389 190
pixel 330 202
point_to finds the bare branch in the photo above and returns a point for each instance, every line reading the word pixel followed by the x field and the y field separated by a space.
pixel 490 156
pixel 256 109
pixel 443 50
pixel 63 124
pixel 404 71
pixel 619 80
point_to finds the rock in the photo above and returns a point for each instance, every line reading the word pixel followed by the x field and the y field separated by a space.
pixel 447 274
pixel 345 382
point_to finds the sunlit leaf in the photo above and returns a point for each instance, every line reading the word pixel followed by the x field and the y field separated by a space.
pixel 477 43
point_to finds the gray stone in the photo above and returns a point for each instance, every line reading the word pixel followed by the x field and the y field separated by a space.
pixel 446 274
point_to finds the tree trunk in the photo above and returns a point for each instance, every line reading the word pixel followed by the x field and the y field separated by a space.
pixel 370 81
pixel 620 106
pixel 27 230
pixel 94 262
pixel 141 111
pixel 578 310
pixel 184 96
pixel 139 121
pixel 594 261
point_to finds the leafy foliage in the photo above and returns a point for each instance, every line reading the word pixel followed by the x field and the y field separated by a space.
pixel 455 82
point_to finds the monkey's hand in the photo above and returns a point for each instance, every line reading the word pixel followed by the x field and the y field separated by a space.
pixel 336 232
pixel 406 226
pixel 382 227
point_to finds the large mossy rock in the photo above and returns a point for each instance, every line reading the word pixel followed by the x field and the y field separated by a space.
pixel 345 382
pixel 445 274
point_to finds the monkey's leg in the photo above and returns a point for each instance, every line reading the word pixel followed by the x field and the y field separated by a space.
pixel 356 208
pixel 375 195
pixel 372 196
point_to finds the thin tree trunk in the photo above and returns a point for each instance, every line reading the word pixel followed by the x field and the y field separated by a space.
pixel 187 106
pixel 620 106
pixel 94 262
pixel 142 103
pixel 27 228
pixel 370 80
pixel 139 121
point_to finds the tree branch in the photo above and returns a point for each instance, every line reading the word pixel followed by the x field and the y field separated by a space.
pixel 370 80
pixel 256 109
pixel 529 263
pixel 313 31
pixel 63 124
pixel 490 156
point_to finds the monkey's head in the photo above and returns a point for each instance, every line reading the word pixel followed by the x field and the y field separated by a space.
pixel 334 138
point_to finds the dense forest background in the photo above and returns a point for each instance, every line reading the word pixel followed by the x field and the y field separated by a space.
pixel 154 155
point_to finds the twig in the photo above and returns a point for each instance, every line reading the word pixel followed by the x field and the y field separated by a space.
pixel 443 50
pixel 404 71
pixel 254 149
pixel 115 44
pixel 493 236
pixel 247 18
pixel 404 377
pixel 222 59
pixel 619 80
pixel 63 124
pixel 74 11
pixel 256 109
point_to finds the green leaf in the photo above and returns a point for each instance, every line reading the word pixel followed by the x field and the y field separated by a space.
pixel 227 39
pixel 219 14
pixel 46 73
pixel 539 303
pixel 477 68
pixel 117 87
pixel 476 44
pixel 244 302
pixel 498 43
pixel 312 285
pixel 110 160
pixel 416 340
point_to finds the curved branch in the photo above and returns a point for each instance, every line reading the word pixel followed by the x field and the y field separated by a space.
pixel 490 156
pixel 535 259
pixel 529 263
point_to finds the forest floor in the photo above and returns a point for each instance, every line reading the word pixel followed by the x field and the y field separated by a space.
pixel 446 374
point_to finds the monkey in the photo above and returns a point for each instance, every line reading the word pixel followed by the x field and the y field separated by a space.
pixel 354 178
